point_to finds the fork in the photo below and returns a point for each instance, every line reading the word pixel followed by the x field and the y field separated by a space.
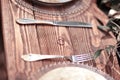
pixel 72 58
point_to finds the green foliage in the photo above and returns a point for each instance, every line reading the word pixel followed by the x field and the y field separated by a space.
pixel 109 49
pixel 114 27
pixel 97 53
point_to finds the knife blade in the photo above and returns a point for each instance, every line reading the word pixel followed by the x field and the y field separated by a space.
pixel 26 21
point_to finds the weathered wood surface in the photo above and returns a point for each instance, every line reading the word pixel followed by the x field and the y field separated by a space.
pixel 44 39
pixel 3 73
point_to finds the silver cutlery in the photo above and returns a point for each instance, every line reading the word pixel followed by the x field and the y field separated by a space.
pixel 26 21
pixel 73 58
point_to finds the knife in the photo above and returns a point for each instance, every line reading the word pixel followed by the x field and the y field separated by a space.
pixel 26 21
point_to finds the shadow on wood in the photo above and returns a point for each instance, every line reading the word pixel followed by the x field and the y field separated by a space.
pixel 3 71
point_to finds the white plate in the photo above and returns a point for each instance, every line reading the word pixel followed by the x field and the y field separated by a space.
pixel 52 2
pixel 55 1
pixel 70 71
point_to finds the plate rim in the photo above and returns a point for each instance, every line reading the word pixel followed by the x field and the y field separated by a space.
pixel 43 70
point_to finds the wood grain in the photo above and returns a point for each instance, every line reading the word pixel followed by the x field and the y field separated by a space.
pixel 3 71
pixel 45 39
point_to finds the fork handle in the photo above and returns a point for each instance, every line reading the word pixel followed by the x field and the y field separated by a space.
pixel 36 57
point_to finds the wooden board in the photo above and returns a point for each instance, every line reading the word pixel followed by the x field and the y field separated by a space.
pixel 46 39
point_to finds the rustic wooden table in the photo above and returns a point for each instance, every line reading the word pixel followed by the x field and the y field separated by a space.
pixel 46 39
pixel 3 73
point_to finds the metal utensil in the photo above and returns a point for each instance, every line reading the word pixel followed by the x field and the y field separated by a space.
pixel 55 23
pixel 73 58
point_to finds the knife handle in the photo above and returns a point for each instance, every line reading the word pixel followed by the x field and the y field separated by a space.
pixel 32 21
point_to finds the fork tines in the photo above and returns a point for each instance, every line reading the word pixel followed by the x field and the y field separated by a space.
pixel 82 57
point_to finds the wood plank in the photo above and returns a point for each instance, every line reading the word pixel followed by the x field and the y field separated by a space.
pixel 3 71
pixel 46 39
